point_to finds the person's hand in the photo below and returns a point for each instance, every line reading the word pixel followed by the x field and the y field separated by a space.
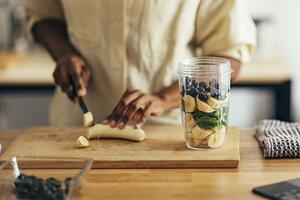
pixel 76 67
pixel 136 106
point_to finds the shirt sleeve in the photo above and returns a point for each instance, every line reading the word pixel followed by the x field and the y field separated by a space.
pixel 225 28
pixel 37 10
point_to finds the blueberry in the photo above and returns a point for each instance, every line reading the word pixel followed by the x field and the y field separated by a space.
pixel 192 92
pixel 53 182
pixel 31 177
pixel 22 176
pixel 202 96
pixel 59 194
pixel 213 84
pixel 67 182
pixel 18 182
pixel 214 92
pixel 194 83
pixel 202 89
pixel 202 84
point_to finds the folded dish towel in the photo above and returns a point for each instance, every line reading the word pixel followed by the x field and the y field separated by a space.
pixel 279 139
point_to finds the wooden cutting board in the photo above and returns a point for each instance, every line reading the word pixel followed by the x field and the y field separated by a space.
pixel 164 147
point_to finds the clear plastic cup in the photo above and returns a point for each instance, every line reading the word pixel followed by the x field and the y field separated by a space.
pixel 204 84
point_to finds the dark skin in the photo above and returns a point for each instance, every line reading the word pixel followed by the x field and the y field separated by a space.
pixel 134 105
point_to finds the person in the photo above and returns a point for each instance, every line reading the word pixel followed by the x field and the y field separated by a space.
pixel 123 54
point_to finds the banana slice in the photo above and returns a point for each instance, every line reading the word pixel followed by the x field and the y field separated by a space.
pixel 200 133
pixel 214 103
pixel 195 142
pixel 87 119
pixel 189 122
pixel 216 139
pixel 204 107
pixel 81 142
pixel 189 103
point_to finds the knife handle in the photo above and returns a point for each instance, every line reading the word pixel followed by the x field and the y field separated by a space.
pixel 82 104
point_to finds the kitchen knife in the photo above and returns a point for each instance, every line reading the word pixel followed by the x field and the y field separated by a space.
pixel 87 115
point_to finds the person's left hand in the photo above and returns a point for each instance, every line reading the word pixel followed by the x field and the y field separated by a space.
pixel 137 106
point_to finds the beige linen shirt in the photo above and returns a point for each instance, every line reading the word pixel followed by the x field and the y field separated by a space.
pixel 137 44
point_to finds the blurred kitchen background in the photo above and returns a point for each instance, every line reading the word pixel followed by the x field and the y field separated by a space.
pixel 266 87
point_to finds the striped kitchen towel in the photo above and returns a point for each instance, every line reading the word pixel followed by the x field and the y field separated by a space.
pixel 279 139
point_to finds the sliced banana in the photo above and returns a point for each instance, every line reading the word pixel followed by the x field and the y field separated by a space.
pixel 81 142
pixel 214 103
pixel 87 119
pixel 216 139
pixel 189 122
pixel 196 142
pixel 189 103
pixel 200 133
pixel 204 107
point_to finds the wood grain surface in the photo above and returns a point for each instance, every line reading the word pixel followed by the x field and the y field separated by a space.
pixel 176 184
pixel 164 147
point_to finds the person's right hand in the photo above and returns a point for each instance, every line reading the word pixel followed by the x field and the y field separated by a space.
pixel 75 66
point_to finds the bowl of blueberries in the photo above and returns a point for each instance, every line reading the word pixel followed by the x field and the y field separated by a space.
pixel 29 184
pixel 204 84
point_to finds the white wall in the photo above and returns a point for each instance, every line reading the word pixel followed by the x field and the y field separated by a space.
pixel 283 34
pixel 286 15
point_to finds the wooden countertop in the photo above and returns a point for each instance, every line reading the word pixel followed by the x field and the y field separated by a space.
pixel 172 184
pixel 35 68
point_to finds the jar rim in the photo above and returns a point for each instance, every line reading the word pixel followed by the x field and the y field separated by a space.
pixel 204 65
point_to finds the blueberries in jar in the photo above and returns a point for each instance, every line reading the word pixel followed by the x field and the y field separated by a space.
pixel 202 96
pixel 192 91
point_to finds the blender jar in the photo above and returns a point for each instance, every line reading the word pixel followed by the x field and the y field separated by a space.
pixel 204 84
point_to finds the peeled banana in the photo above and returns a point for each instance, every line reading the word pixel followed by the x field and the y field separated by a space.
pixel 217 138
pixel 105 131
pixel 204 107
pixel 189 103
